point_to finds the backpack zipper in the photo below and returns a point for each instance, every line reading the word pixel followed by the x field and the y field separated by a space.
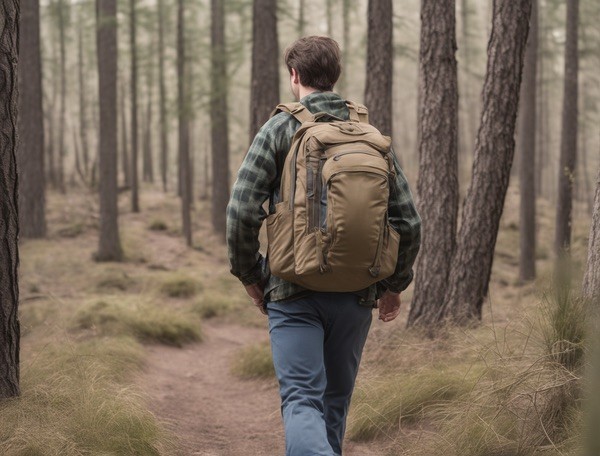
pixel 376 266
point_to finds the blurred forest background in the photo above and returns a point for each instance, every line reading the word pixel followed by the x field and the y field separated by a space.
pixel 134 117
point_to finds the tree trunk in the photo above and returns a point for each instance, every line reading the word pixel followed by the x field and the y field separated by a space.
pixel 125 161
pixel 301 21
pixel 587 184
pixel 471 263
pixel 468 127
pixel 329 12
pixel 541 143
pixel 109 248
pixel 380 65
pixel 438 166
pixel 343 82
pixel 148 165
pixel 526 153
pixel 82 103
pixel 9 214
pixel 264 89
pixel 63 96
pixel 568 143
pixel 219 118
pixel 32 198
pixel 591 280
pixel 206 174
pixel 51 119
pixel 135 198
pixel 184 134
pixel 164 147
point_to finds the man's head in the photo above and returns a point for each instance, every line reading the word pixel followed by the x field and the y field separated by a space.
pixel 313 63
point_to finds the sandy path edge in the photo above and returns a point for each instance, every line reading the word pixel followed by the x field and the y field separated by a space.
pixel 212 412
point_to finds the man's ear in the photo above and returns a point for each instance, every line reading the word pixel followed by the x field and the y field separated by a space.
pixel 295 76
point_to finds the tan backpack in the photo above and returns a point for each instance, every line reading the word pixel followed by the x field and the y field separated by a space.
pixel 330 231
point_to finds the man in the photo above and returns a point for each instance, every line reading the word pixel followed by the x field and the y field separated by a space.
pixel 317 338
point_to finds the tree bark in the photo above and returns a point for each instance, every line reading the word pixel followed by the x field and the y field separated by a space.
pixel 51 121
pixel 526 153
pixel 32 197
pixel 468 128
pixel 301 21
pixel 329 12
pixel 9 213
pixel 63 96
pixel 147 164
pixel 164 146
pixel 264 89
pixel 135 198
pixel 125 160
pixel 343 82
pixel 568 143
pixel 184 134
pixel 591 280
pixel 541 142
pixel 438 163
pixel 219 118
pixel 471 263
pixel 380 65
pixel 109 248
pixel 83 125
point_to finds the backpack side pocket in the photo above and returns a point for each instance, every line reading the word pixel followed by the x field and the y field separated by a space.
pixel 280 250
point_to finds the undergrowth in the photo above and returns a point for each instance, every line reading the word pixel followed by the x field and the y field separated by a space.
pixel 145 321
pixel 254 361
pixel 180 286
pixel 74 403
pixel 521 396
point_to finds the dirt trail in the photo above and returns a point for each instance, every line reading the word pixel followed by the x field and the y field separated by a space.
pixel 211 411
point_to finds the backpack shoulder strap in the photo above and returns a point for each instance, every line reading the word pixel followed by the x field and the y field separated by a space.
pixel 298 110
pixel 358 112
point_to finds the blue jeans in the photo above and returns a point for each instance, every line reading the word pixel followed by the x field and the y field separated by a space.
pixel 317 342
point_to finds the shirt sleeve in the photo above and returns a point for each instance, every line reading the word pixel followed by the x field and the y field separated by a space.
pixel 255 180
pixel 405 219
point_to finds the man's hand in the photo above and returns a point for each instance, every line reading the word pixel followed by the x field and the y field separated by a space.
pixel 389 306
pixel 256 292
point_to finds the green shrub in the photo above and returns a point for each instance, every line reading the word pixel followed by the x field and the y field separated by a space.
pixel 144 321
pixel 380 405
pixel 72 405
pixel 214 305
pixel 564 326
pixel 158 225
pixel 180 287
pixel 254 361
pixel 114 280
pixel 72 230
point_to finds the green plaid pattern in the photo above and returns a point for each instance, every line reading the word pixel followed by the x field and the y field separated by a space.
pixel 258 180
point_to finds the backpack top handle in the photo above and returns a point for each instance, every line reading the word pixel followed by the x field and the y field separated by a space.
pixel 298 110
pixel 358 112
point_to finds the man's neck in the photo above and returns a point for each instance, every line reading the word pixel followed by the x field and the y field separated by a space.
pixel 303 91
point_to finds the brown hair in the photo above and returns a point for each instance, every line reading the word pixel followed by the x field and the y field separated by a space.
pixel 317 61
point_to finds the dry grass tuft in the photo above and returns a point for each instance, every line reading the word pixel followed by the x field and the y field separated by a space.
pixel 254 361
pixel 144 321
pixel 565 323
pixel 211 305
pixel 115 280
pixel 180 286
pixel 158 225
pixel 73 404
pixel 382 405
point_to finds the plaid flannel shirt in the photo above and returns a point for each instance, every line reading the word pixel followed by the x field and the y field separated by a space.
pixel 258 179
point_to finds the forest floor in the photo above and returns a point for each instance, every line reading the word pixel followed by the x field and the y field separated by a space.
pixel 192 389
pixel 213 412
